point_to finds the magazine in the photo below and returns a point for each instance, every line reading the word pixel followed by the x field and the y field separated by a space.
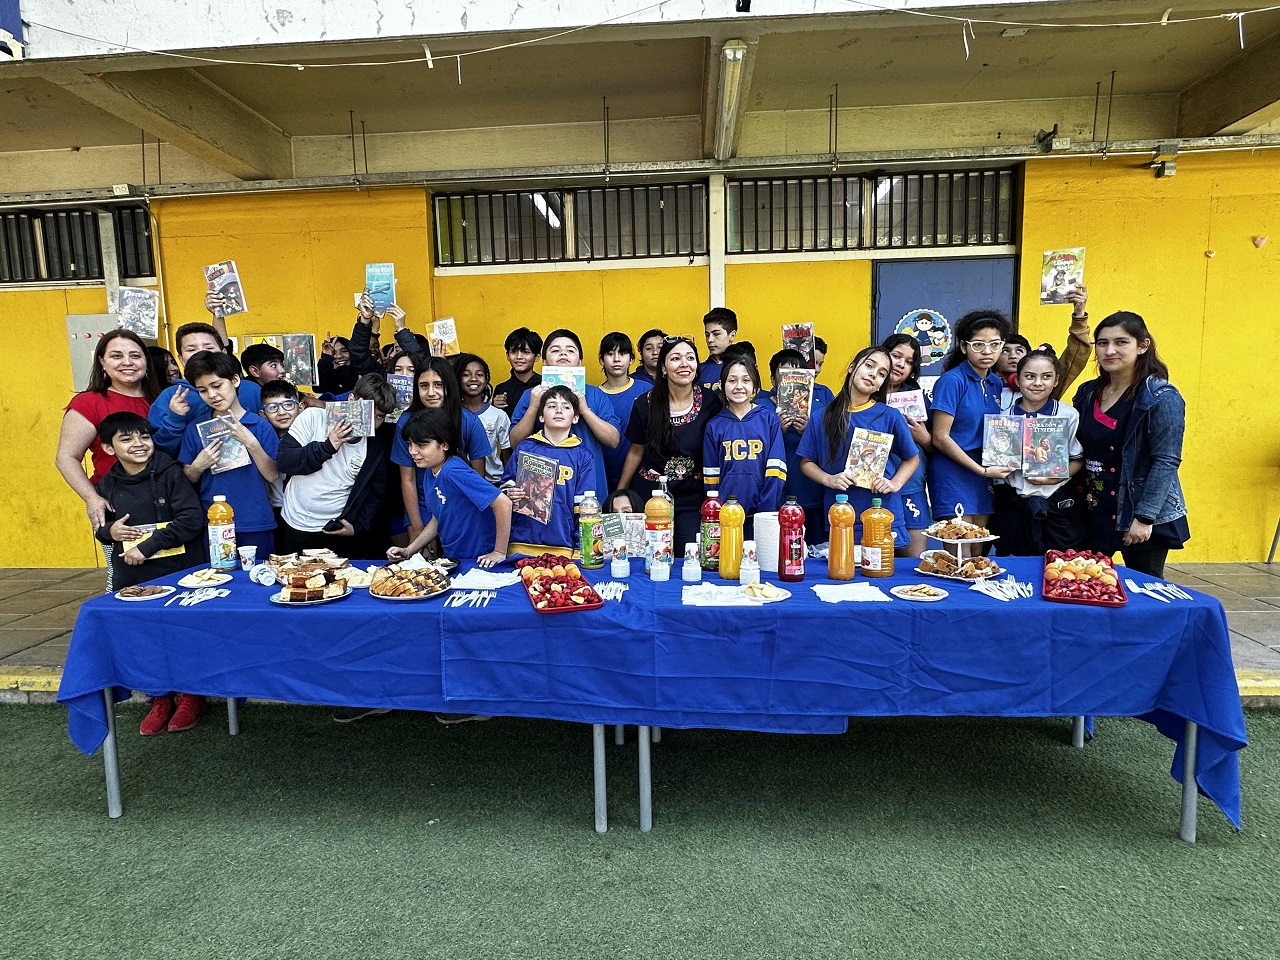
pixel 147 530
pixel 910 403
pixel 1062 273
pixel 222 278
pixel 624 526
pixel 300 359
pixel 1045 453
pixel 535 486
pixel 233 454
pixel 444 338
pixel 403 384
pixel 139 311
pixel 1001 441
pixel 380 285
pixel 794 396
pixel 868 456
pixel 799 337
pixel 358 413
pixel 575 378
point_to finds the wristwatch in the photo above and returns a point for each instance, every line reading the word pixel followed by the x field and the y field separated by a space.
pixel 1147 520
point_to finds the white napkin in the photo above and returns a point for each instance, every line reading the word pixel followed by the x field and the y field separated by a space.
pixel 476 579
pixel 860 591
pixel 713 595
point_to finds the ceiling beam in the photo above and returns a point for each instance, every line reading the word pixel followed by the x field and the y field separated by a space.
pixel 183 109
pixel 1241 97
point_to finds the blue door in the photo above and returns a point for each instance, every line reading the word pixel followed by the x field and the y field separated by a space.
pixel 926 297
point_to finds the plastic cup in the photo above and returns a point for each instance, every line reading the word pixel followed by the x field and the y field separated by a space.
pixel 247 557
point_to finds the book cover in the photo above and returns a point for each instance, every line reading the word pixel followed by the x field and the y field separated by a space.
pixel 358 413
pixel 233 454
pixel 139 311
pixel 799 336
pixel 868 456
pixel 380 285
pixel 299 351
pixel 624 526
pixel 1045 453
pixel 1061 273
pixel 534 491
pixel 222 278
pixel 147 530
pixel 575 378
pixel 794 396
pixel 444 338
pixel 403 384
pixel 910 403
pixel 1001 441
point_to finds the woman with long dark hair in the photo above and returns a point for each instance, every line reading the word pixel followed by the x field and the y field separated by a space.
pixel 666 431
pixel 904 352
pixel 824 448
pixel 964 395
pixel 1132 421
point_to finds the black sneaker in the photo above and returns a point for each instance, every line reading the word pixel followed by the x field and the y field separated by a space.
pixel 352 714
pixel 449 719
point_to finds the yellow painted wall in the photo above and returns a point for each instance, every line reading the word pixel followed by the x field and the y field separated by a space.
pixel 1148 242
pixel 833 295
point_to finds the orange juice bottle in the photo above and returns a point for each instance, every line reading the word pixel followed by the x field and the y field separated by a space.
pixel 877 541
pixel 732 519
pixel 840 557
pixel 659 521
pixel 222 535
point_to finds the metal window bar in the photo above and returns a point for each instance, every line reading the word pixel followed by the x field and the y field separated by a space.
pixel 19 252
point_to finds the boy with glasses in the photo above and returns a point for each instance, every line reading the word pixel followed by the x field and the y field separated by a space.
pixel 280 405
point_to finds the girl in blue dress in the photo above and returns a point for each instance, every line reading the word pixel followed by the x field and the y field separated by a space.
pixel 964 395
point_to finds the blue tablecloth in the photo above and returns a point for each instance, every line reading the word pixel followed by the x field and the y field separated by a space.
pixel 967 655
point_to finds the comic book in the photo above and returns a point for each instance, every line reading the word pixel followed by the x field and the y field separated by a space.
pixel 233 453
pixel 575 378
pixel 1001 441
pixel 794 397
pixel 380 285
pixel 910 403
pixel 868 456
pixel 403 384
pixel 1061 273
pixel 535 487
pixel 1045 453
pixel 139 311
pixel 222 278
pixel 624 526
pixel 358 413
pixel 299 351
pixel 444 338
pixel 147 529
pixel 799 336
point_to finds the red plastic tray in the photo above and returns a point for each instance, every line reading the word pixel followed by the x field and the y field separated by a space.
pixel 580 607
pixel 1086 603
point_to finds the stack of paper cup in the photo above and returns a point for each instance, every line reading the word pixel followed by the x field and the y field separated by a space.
pixel 766 528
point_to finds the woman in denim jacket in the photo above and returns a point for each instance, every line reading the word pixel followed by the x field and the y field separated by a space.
pixel 1131 424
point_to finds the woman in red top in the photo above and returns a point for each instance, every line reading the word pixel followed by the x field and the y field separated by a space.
pixel 122 379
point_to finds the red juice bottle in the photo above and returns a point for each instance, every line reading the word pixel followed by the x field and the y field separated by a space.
pixel 791 542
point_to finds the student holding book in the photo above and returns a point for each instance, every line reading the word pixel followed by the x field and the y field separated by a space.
pixel 622 388
pixel 826 449
pixel 743 454
pixel 1132 421
pixel 903 393
pixel 964 395
pixel 547 473
pixel 1036 508
pixel 807 493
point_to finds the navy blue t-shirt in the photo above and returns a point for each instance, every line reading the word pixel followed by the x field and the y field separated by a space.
pixel 460 500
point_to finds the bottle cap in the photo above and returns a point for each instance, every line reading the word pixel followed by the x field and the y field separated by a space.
pixel 656 493
pixel 219 499
pixel 842 498
pixel 589 493
pixel 875 501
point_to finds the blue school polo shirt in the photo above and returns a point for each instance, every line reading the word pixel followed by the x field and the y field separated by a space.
pixel 806 492
pixel 575 475
pixel 170 427
pixel 600 405
pixel 244 487
pixel 460 500
pixel 475 441
pixel 709 374
pixel 968 398
pixel 878 417
pixel 614 458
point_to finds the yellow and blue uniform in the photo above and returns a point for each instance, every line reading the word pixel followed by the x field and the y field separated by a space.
pixel 745 458
pixel 575 475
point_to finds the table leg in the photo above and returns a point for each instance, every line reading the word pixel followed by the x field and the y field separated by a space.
pixel 602 804
pixel 110 762
pixel 1190 792
pixel 619 734
pixel 1077 732
pixel 233 716
pixel 656 735
pixel 646 782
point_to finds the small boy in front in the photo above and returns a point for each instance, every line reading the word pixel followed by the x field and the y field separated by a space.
pixel 721 328
pixel 154 522
pixel 523 347
pixel 262 363
pixel 217 376
pixel 280 406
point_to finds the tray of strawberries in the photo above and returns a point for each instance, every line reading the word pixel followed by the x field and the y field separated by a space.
pixel 555 585
pixel 1080 576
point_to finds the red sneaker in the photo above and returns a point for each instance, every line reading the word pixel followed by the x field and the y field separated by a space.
pixel 158 718
pixel 190 710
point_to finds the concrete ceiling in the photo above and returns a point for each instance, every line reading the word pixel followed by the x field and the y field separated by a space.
pixel 38 115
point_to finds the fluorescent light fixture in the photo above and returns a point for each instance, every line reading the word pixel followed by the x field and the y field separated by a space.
pixel 540 202
pixel 733 58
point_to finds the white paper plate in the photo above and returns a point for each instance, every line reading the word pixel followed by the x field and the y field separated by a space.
pixel 167 591
pixel 900 591
pixel 786 595
pixel 275 598
pixel 425 596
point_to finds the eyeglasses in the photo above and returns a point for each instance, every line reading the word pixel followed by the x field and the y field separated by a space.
pixel 687 340
pixel 984 346
pixel 277 406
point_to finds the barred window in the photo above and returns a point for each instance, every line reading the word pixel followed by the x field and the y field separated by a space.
pixel 968 208
pixel 807 213
pixel 51 246
pixel 583 224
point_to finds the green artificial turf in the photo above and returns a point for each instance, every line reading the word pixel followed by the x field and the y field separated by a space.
pixel 397 837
